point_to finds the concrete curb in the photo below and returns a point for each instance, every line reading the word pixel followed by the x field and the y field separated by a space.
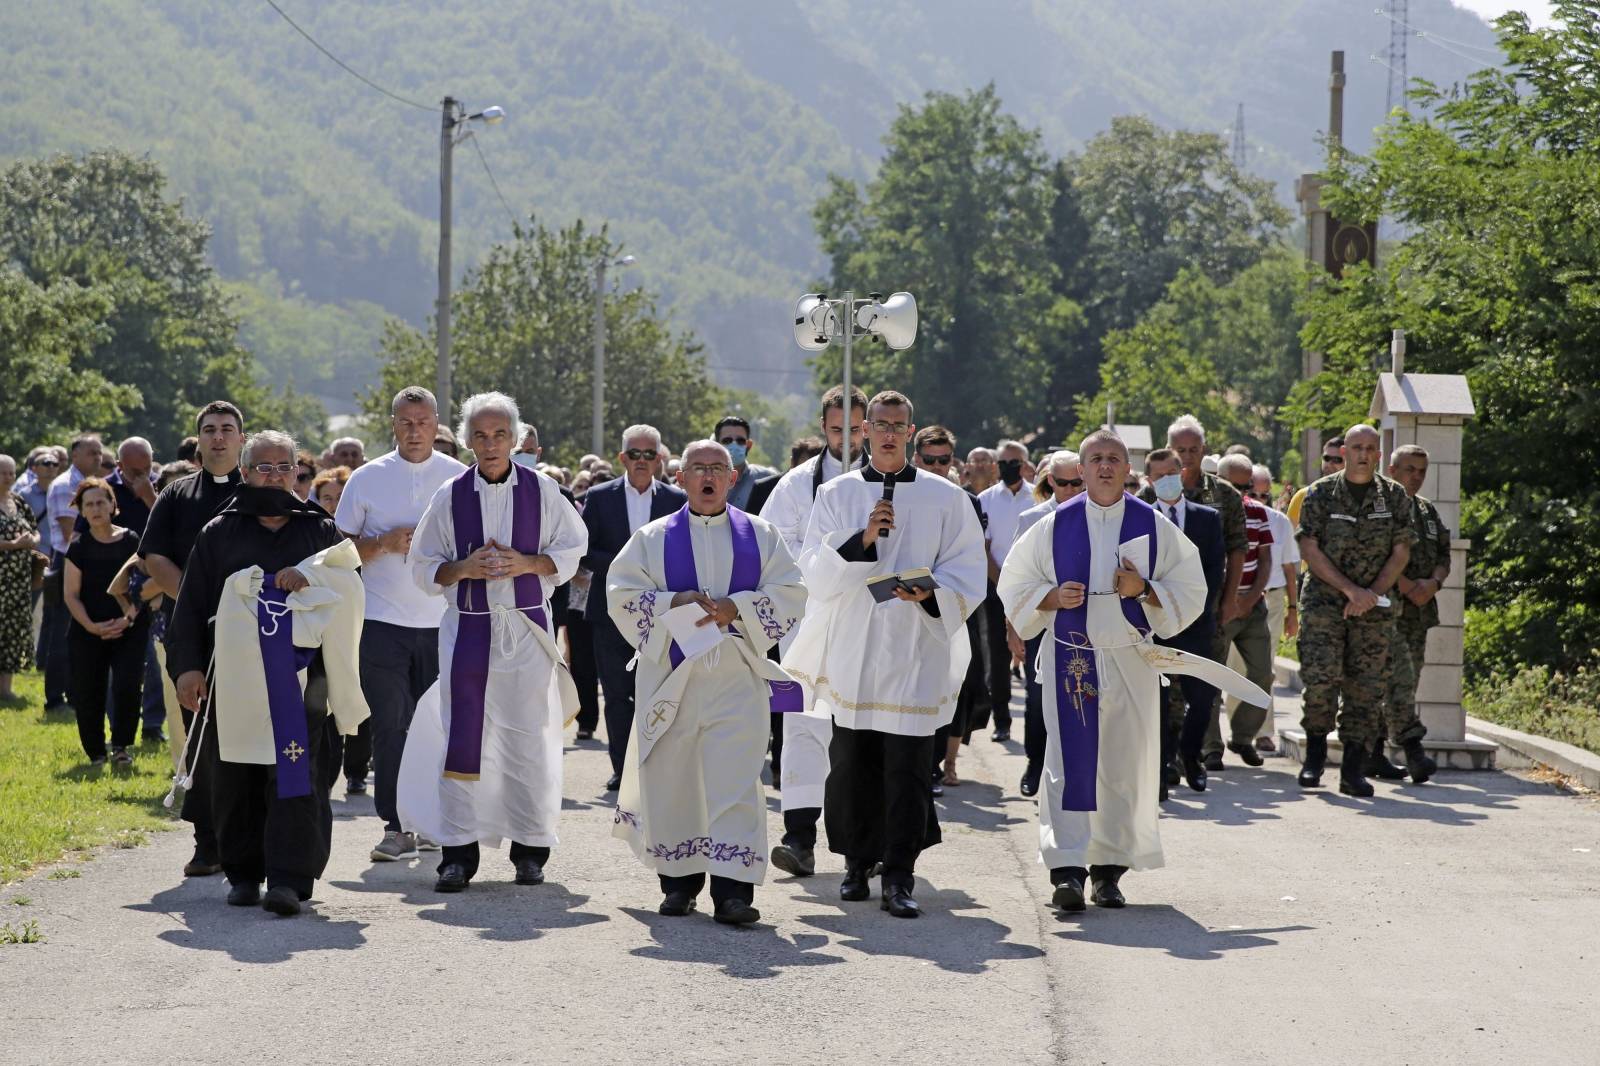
pixel 1521 749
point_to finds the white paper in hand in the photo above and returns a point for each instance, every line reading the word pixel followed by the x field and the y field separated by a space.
pixel 693 640
pixel 1137 552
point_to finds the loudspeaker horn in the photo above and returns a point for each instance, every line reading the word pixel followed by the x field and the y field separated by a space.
pixel 812 319
pixel 894 319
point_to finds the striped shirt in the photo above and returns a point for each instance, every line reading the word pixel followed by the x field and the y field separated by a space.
pixel 1258 526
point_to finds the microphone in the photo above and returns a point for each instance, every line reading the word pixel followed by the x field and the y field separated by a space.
pixel 888 497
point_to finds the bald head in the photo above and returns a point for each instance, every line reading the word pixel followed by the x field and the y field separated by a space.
pixel 1363 449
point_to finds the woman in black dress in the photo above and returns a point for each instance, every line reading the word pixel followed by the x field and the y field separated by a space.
pixel 105 642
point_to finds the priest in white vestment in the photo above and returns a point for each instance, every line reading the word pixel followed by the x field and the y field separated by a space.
pixel 887 673
pixel 690 802
pixel 1097 577
pixel 800 746
pixel 482 761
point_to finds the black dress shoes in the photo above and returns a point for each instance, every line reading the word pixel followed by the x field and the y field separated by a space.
pixel 736 912
pixel 937 786
pixel 244 894
pixel 1194 773
pixel 898 902
pixel 1107 894
pixel 676 904
pixel 584 734
pixel 799 862
pixel 1214 761
pixel 530 872
pixel 1246 752
pixel 282 901
pixel 201 866
pixel 452 878
pixel 613 782
pixel 854 886
pixel 1000 736
pixel 1170 774
pixel 1030 780
pixel 1069 894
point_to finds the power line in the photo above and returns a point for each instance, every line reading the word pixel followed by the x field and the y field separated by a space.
pixel 495 184
pixel 346 67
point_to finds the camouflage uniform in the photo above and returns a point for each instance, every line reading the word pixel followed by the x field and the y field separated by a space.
pixel 1339 654
pixel 1432 549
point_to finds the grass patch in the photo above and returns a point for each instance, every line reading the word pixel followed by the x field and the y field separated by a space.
pixel 55 804
pixel 22 901
pixel 1546 703
pixel 66 873
pixel 1289 648
pixel 23 933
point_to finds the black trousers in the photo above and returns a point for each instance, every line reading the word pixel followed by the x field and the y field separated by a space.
pixel 580 637
pixel 999 660
pixel 263 837
pixel 95 663
pixel 800 827
pixel 196 808
pixel 721 887
pixel 877 803
pixel 467 855
pixel 611 655
pixel 1033 728
pixel 1185 734
pixel 398 663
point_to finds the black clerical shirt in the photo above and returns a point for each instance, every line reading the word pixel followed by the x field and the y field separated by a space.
pixel 232 541
pixel 855 550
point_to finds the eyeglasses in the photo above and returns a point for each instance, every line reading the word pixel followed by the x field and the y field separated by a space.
pixel 273 468
pixel 706 469
pixel 1067 483
pixel 741 441
pixel 896 428
pixel 1333 460
pixel 936 460
pixel 648 454
pixel 45 462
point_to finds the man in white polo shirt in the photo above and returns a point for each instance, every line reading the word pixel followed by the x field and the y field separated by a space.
pixel 380 507
pixel 1003 504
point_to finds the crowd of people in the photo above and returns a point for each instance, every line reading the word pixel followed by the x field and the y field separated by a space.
pixel 436 618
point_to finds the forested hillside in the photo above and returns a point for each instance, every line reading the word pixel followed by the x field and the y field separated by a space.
pixel 701 131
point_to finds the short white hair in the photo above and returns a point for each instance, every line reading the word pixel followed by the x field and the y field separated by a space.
pixel 1260 471
pixel 488 403
pixel 1065 457
pixel 266 438
pixel 1235 464
pixel 1185 424
pixel 357 441
pixel 1008 443
pixel 642 430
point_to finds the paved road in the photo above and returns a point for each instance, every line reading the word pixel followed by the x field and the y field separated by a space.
pixel 1454 922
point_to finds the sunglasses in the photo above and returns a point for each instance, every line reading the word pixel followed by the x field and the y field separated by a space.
pixel 1333 460
pixel 45 462
pixel 1068 483
pixel 273 468
pixel 936 460
pixel 741 441
pixel 647 454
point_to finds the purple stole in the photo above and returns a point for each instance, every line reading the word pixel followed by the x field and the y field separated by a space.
pixel 469 663
pixel 282 662
pixel 1077 677
pixel 678 550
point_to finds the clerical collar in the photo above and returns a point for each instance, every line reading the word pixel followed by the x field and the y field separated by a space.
pixel 710 519
pixel 502 479
pixel 905 473
pixel 232 477
pixel 1104 506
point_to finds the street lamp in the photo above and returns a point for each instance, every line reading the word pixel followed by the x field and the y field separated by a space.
pixel 453 116
pixel 819 320
pixel 598 426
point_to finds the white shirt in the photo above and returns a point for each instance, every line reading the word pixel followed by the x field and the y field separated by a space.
pixel 1004 509
pixel 1285 549
pixel 638 504
pixel 1174 511
pixel 391 493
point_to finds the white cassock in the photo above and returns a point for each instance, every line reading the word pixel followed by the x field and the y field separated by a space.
pixel 890 667
pixel 805 736
pixel 691 799
pixel 528 697
pixel 1122 830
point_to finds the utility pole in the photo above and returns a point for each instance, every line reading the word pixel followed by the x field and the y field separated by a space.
pixel 1399 31
pixel 597 427
pixel 1309 193
pixel 1238 140
pixel 441 390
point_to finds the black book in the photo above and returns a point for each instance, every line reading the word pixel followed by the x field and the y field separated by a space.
pixel 882 588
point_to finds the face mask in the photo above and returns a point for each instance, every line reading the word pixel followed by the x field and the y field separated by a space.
pixel 1169 487
pixel 737 453
pixel 1011 471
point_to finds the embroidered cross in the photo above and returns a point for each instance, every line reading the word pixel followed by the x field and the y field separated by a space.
pixel 294 751
pixel 1078 668
pixel 658 714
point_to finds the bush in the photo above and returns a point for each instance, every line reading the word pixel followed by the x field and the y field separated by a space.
pixel 1543 702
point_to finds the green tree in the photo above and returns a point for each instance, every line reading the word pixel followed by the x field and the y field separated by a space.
pixel 959 215
pixel 523 323
pixel 102 223
pixel 1497 278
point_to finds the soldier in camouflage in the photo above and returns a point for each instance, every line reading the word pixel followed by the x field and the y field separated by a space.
pixel 1355 535
pixel 1187 437
pixel 1418 587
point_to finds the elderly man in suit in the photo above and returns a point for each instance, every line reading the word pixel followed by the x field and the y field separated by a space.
pixel 613 511
pixel 1203 526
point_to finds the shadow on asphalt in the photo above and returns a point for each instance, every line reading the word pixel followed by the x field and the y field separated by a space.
pixel 1161 926
pixel 494 905
pixel 753 952
pixel 979 805
pixel 1241 796
pixel 247 934
pixel 941 936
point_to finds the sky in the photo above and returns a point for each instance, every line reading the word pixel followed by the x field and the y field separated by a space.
pixel 1538 10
